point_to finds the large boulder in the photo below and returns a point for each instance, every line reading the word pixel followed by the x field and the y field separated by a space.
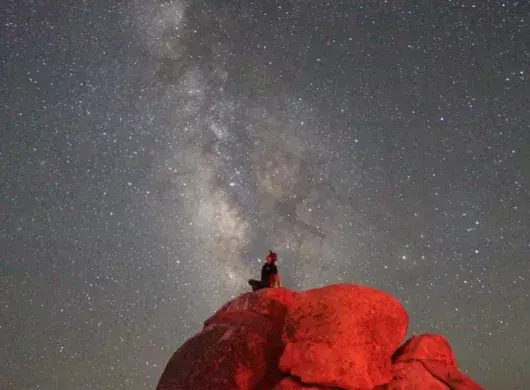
pixel 269 305
pixel 413 376
pixel 426 347
pixel 343 335
pixel 428 362
pixel 238 348
pixel 219 357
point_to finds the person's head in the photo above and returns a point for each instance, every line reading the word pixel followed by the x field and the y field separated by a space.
pixel 271 257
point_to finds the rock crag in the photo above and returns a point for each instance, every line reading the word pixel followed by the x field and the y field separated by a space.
pixel 340 336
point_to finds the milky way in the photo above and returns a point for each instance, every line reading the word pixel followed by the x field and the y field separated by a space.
pixel 151 152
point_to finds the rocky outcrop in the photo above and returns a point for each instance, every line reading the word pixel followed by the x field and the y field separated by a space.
pixel 343 336
pixel 427 362
pixel 336 337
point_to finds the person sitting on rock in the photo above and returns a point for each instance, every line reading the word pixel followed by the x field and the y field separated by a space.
pixel 269 274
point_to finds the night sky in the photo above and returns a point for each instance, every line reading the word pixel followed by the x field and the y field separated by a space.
pixel 151 152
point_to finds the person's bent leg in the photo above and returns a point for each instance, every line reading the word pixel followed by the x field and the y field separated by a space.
pixel 256 284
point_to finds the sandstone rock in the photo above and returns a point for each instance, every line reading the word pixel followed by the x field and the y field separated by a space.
pixel 239 346
pixel 343 335
pixel 428 362
pixel 426 347
pixel 455 379
pixel 219 357
pixel 270 304
pixel 412 375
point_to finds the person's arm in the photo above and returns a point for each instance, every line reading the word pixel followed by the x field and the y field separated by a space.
pixel 279 280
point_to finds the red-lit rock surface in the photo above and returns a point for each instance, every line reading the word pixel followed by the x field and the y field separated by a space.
pixel 238 348
pixel 343 336
pixel 427 362
pixel 335 337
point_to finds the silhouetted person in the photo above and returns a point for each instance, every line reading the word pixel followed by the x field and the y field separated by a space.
pixel 269 274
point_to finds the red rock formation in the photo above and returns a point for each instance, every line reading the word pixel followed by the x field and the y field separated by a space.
pixel 238 348
pixel 336 337
pixel 343 336
pixel 427 362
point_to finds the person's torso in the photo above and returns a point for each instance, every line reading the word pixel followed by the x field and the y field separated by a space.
pixel 268 273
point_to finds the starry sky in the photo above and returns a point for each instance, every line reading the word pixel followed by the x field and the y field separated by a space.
pixel 151 152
